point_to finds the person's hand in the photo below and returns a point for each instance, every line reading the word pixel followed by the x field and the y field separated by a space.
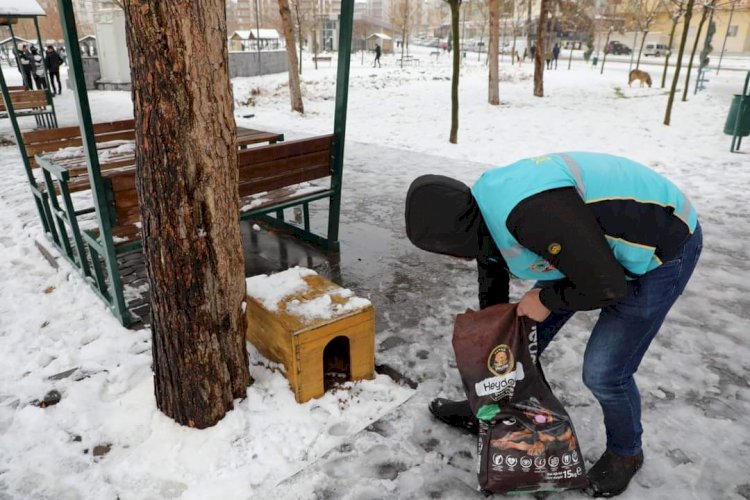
pixel 531 307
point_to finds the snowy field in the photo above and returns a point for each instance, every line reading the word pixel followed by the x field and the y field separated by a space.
pixel 372 440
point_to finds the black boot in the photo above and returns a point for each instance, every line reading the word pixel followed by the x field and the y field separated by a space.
pixel 455 413
pixel 611 474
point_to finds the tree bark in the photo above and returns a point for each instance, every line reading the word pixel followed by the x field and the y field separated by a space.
pixel 493 95
pixel 604 57
pixel 539 53
pixel 186 166
pixel 675 20
pixel 640 49
pixel 692 54
pixel 678 64
pixel 295 93
pixel 455 14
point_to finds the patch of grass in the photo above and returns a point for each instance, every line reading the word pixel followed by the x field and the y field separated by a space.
pixel 619 94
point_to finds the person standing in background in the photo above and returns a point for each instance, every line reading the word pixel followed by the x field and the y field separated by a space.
pixel 53 61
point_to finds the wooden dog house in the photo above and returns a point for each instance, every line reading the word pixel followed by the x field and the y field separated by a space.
pixel 322 334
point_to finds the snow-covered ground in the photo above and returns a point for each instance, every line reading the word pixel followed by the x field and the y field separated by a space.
pixel 695 380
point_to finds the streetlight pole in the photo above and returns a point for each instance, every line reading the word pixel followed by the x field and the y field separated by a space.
pixel 724 45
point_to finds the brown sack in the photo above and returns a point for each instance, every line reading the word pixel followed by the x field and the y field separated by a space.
pixel 526 439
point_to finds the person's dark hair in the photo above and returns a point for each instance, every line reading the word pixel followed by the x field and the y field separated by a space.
pixel 443 217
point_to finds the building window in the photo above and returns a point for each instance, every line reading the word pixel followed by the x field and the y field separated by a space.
pixel 732 31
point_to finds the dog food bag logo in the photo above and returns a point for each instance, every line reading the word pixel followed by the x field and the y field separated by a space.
pixel 500 361
pixel 511 461
pixel 574 457
pixel 507 372
pixel 566 459
pixel 540 462
pixel 497 459
pixel 526 462
pixel 554 462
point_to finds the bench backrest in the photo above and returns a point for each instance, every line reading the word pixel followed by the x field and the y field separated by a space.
pixel 45 141
pixel 26 99
pixel 261 169
pixel 284 164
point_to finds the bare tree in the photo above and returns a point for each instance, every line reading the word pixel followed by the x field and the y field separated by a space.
pixel 644 15
pixel 187 177
pixel 455 6
pixel 403 17
pixel 707 7
pixel 493 93
pixel 295 93
pixel 301 20
pixel 675 9
pixel 361 29
pixel 574 17
pixel 540 49
pixel 678 64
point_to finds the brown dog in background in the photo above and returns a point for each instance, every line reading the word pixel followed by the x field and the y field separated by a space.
pixel 637 74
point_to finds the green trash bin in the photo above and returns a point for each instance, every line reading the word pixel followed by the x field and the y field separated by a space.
pixel 744 115
pixel 594 60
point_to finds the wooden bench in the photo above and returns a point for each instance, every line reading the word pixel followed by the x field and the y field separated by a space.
pixel 271 178
pixel 36 103
pixel 323 58
pixel 45 141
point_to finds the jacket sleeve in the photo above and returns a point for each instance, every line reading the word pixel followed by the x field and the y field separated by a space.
pixel 558 226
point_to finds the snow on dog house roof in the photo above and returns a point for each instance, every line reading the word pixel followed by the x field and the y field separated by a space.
pixel 20 8
pixel 261 34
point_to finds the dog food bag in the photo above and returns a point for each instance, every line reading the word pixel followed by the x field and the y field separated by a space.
pixel 526 439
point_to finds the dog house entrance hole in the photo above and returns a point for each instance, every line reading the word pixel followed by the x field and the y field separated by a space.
pixel 336 362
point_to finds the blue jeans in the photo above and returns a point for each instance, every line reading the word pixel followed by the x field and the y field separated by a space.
pixel 621 337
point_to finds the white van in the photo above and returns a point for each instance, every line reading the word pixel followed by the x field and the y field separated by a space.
pixel 655 49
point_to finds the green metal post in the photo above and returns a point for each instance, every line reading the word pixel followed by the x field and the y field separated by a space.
pixel 346 20
pixel 78 83
pixel 44 65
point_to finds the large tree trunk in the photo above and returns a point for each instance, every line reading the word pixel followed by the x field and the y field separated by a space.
pixel 186 164
pixel 692 54
pixel 539 55
pixel 295 94
pixel 678 64
pixel 492 53
pixel 455 13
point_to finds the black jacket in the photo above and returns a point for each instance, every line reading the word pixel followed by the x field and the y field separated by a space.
pixel 53 61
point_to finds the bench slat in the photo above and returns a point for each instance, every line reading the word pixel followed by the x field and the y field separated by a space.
pixel 284 150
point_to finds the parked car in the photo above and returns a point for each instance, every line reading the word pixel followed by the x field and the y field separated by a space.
pixel 655 49
pixel 616 48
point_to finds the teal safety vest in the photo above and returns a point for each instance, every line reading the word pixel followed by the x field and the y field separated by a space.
pixel 596 177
